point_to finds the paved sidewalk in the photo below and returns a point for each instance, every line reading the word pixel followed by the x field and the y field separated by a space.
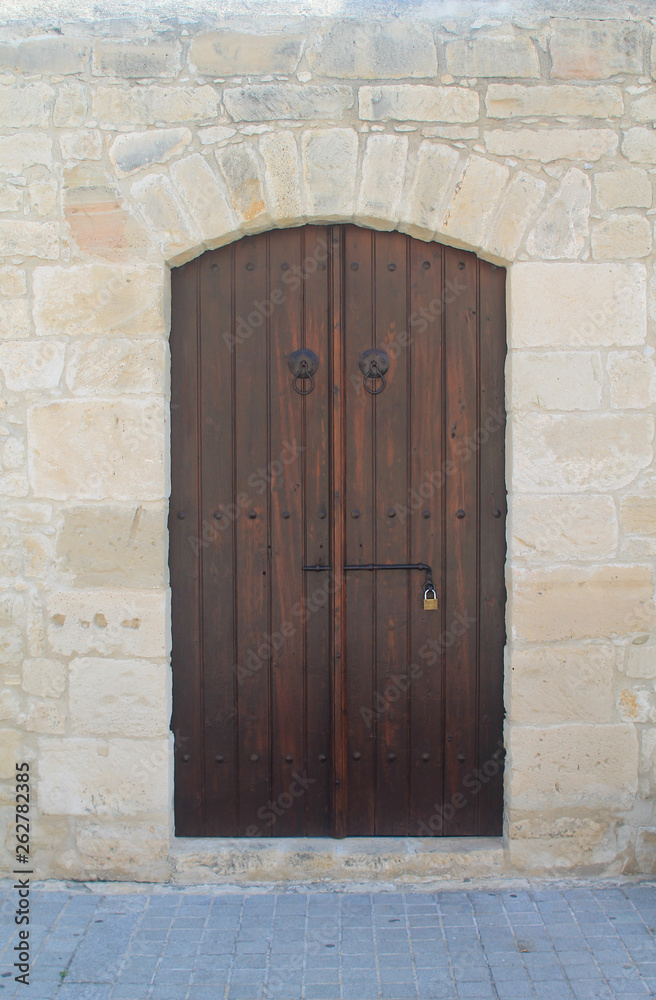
pixel 549 944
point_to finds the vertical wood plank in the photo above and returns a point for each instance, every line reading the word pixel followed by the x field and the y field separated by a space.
pixel 359 534
pixel 215 540
pixel 285 481
pixel 338 428
pixel 461 521
pixel 489 780
pixel 319 587
pixel 424 517
pixel 395 590
pixel 251 443
pixel 185 561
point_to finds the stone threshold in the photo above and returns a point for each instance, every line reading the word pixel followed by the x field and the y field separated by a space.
pixel 403 860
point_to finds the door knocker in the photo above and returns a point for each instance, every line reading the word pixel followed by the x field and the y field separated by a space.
pixel 303 364
pixel 373 365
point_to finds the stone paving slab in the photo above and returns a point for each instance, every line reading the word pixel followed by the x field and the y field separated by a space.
pixel 573 943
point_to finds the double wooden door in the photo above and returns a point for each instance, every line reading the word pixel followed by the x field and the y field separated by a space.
pixel 337 453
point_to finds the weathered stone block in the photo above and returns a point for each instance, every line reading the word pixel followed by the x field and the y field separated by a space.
pixel 474 200
pixel 635 704
pixel 638 515
pixel 27 105
pixel 49 56
pixel 571 602
pixel 518 204
pixel 643 107
pixel 26 364
pixel 11 198
pixel 118 697
pixel 640 661
pixel 594 50
pixel 374 51
pixel 99 299
pixel 237 53
pixel 623 189
pixel 556 381
pixel 120 623
pixel 507 100
pixel 418 103
pixel 29 239
pixel 562 684
pixel 97 215
pixel 577 305
pixel 71 105
pixel 563 527
pixel 120 777
pixel 43 194
pixel 134 60
pixel 586 765
pixel 14 319
pixel 329 172
pixel 639 145
pixel 645 850
pixel 112 366
pixel 242 172
pixel 282 175
pixel 12 282
pixel 204 198
pixel 210 134
pixel 44 678
pixel 632 379
pixel 119 107
pixel 10 751
pixel 493 55
pixel 96 450
pixel 156 199
pixel 45 717
pixel 274 101
pixel 432 175
pixel 548 144
pixel 22 150
pixel 383 175
pixel 83 144
pixel 101 546
pixel 124 850
pixel 562 229
pixel 573 453
pixel 620 237
pixel 141 149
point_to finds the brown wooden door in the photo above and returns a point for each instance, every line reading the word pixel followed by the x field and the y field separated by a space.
pixel 314 695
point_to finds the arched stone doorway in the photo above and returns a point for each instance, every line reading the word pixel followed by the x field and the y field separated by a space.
pixel 337 551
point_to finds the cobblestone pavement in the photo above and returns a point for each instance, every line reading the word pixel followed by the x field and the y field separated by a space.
pixel 548 943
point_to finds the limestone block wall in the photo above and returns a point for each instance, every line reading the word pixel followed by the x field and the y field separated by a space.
pixel 129 146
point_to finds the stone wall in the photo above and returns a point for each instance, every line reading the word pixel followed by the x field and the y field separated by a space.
pixel 128 147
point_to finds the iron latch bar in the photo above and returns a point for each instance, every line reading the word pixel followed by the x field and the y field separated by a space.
pixel 373 567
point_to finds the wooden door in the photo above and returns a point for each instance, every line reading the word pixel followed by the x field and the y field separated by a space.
pixel 314 694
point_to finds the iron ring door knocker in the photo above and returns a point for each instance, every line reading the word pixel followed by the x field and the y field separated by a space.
pixel 373 365
pixel 303 364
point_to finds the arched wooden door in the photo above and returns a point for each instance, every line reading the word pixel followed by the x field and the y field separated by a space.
pixel 318 690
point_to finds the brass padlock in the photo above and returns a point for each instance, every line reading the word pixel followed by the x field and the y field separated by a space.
pixel 430 603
